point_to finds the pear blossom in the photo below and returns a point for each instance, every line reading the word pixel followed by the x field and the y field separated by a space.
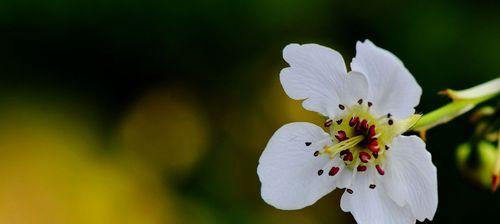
pixel 387 177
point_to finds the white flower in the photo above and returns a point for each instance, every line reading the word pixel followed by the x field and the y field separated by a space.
pixel 388 177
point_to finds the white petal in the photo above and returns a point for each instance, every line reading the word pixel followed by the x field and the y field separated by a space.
pixel 318 76
pixel 411 178
pixel 288 169
pixel 392 88
pixel 344 177
pixel 373 206
pixel 355 87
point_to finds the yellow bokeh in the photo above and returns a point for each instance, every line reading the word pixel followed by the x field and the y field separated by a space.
pixel 50 173
pixel 167 128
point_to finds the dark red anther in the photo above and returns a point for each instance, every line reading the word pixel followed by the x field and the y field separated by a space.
pixel 373 146
pixel 342 107
pixel 373 142
pixel 358 128
pixel 361 168
pixel 364 125
pixel 371 131
pixel 334 170
pixel 370 104
pixel 379 169
pixel 386 147
pixel 308 143
pixel 350 191
pixel 328 123
pixel 341 136
pixel 389 115
pixel 354 121
pixel 339 121
pixel 360 101
pixel 316 153
pixel 320 172
pixel 372 186
pixel 348 157
pixel 364 157
pixel 343 152
pixel 375 155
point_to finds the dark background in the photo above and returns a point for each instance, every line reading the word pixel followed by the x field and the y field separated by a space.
pixel 157 112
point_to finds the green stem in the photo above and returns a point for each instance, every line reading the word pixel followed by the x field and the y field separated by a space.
pixel 448 112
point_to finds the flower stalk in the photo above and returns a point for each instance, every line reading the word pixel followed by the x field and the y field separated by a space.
pixel 463 101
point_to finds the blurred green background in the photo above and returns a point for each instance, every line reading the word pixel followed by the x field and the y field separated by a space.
pixel 157 111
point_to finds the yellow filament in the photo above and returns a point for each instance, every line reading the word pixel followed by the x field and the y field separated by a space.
pixel 348 143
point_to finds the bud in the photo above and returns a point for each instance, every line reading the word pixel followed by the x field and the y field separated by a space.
pixel 495 178
pixel 483 90
pixel 477 162
pixel 481 113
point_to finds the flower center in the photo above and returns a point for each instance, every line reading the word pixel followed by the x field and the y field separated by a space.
pixel 361 138
pixel 358 122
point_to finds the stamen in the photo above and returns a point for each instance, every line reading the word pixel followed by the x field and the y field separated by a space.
pixel 375 155
pixel 316 153
pixel 391 122
pixel 354 121
pixel 349 191
pixel 328 123
pixel 348 156
pixel 379 169
pixel 334 170
pixel 308 143
pixel 343 152
pixel 371 131
pixel 389 115
pixel 320 172
pixel 361 168
pixel 339 121
pixel 373 146
pixel 360 101
pixel 386 147
pixel 363 125
pixel 341 136
pixel 364 157
pixel 381 118
pixel 342 107
pixel 370 104
pixel 372 186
